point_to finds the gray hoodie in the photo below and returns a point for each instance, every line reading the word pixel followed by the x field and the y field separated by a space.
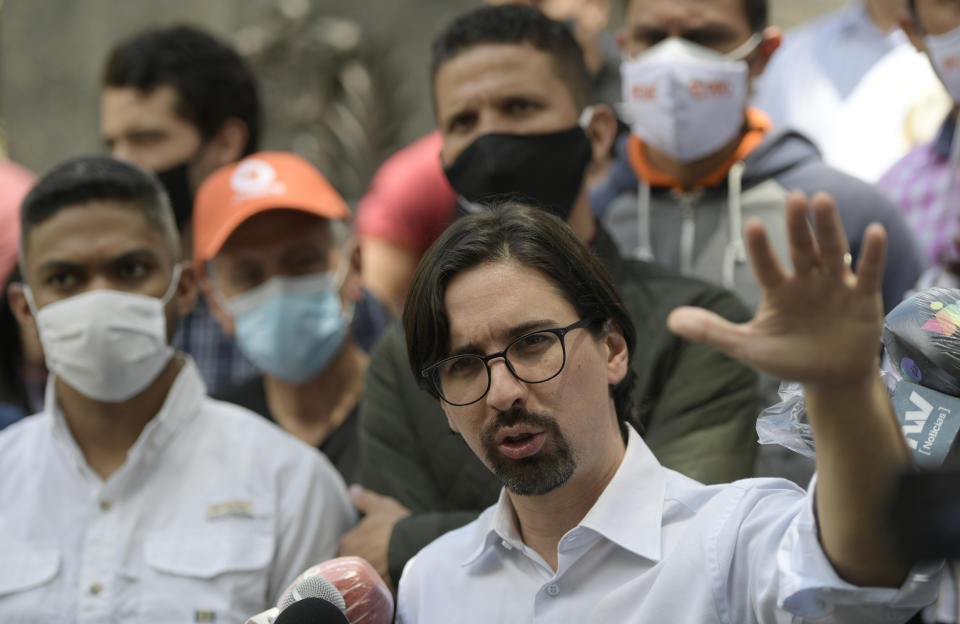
pixel 701 232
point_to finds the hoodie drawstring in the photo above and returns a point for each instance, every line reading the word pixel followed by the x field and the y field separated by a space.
pixel 735 251
pixel 644 250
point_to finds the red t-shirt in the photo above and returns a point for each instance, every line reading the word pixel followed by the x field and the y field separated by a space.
pixel 409 202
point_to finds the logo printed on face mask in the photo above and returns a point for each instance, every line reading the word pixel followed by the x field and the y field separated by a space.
pixel 716 88
pixel 644 92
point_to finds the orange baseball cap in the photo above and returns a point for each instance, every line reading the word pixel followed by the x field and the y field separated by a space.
pixel 263 181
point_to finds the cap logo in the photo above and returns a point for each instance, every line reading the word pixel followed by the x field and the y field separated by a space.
pixel 255 178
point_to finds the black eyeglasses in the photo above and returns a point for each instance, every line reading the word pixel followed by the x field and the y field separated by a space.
pixel 535 357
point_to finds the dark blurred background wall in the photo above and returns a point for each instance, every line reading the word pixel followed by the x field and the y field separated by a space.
pixel 372 54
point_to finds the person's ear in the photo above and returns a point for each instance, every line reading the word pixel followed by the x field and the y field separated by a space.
pixel 450 421
pixel 912 30
pixel 351 289
pixel 30 337
pixel 216 304
pixel 618 356
pixel 229 143
pixel 20 308
pixel 602 132
pixel 772 38
pixel 185 296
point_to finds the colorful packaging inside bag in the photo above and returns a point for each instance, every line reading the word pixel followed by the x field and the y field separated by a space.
pixel 922 338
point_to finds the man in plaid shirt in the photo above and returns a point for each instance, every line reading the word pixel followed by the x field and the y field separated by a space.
pixel 925 181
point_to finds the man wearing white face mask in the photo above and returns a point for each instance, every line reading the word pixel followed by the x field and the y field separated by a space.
pixel 704 162
pixel 270 245
pixel 925 182
pixel 138 498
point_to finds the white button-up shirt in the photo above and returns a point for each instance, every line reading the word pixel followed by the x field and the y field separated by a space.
pixel 862 95
pixel 655 547
pixel 213 512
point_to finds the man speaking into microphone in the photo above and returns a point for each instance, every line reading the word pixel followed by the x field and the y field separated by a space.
pixel 519 332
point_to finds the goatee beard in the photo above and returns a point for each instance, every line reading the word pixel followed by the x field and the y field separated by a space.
pixel 538 474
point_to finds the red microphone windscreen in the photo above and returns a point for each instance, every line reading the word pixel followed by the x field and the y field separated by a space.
pixel 368 599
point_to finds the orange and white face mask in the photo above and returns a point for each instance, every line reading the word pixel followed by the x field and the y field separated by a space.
pixel 944 51
pixel 686 100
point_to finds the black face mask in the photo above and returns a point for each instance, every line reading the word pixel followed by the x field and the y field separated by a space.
pixel 545 170
pixel 176 181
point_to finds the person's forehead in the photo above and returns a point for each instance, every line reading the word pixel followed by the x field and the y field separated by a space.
pixel 486 301
pixel 268 232
pixel 685 13
pixel 125 109
pixel 496 70
pixel 94 232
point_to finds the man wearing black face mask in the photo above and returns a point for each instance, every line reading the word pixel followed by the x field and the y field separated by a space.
pixel 511 101
pixel 181 103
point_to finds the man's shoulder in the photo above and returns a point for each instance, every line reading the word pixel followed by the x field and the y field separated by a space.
pixel 18 440
pixel 237 427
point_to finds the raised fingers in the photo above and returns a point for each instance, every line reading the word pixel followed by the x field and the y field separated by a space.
pixel 766 266
pixel 804 252
pixel 830 235
pixel 872 258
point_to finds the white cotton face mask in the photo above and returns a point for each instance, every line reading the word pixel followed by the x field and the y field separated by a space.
pixel 686 100
pixel 108 345
pixel 944 53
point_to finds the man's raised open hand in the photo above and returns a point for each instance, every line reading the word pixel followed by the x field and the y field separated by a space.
pixel 819 325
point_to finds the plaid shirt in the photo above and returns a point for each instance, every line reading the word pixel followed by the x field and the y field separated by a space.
pixel 923 184
pixel 220 361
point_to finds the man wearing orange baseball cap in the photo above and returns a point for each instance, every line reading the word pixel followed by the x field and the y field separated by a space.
pixel 280 274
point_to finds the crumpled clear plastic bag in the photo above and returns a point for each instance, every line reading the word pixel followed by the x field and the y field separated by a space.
pixel 921 340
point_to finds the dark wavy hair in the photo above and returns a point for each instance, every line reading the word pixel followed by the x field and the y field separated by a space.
pixel 516 24
pixel 532 238
pixel 212 82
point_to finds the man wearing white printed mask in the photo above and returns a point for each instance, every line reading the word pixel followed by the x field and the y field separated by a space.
pixel 270 239
pixel 704 163
pixel 925 182
pixel 138 498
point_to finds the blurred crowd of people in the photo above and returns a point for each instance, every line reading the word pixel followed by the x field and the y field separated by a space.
pixel 215 372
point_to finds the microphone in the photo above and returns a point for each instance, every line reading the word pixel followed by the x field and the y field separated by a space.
pixel 320 596
pixel 312 610
pixel 367 598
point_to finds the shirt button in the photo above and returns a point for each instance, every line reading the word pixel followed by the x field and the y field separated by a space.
pixel 105 505
pixel 553 589
pixel 96 588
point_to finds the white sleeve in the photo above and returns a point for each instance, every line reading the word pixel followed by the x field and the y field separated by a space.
pixel 809 587
pixel 314 511
pixel 770 566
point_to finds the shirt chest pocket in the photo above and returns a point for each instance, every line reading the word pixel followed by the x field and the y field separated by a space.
pixel 213 574
pixel 27 573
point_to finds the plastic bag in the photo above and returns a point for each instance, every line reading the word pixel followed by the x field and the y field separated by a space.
pixel 921 339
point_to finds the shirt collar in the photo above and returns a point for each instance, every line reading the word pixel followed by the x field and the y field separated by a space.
pixel 629 511
pixel 181 404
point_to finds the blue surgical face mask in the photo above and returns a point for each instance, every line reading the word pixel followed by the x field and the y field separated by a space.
pixel 291 327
